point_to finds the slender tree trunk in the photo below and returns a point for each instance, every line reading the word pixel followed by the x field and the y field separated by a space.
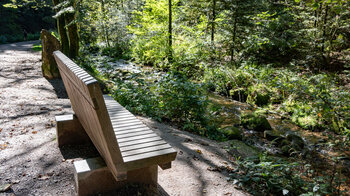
pixel 213 22
pixel 234 31
pixel 170 55
pixel 325 57
pixel 62 31
pixel 324 28
pixel 73 36
pixel 104 26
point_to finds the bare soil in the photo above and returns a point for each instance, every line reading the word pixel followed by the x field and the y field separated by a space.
pixel 32 164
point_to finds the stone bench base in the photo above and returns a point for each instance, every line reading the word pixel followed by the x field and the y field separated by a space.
pixel 69 131
pixel 92 176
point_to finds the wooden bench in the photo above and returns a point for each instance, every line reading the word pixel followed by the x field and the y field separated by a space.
pixel 129 148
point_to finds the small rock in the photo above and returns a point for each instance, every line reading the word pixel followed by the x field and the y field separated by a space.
pixel 232 133
pixel 256 122
pixel 271 135
pixel 5 187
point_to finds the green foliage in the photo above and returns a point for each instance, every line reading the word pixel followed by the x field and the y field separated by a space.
pixel 17 16
pixel 313 101
pixel 268 175
pixel 37 47
pixel 173 98
pixel 255 121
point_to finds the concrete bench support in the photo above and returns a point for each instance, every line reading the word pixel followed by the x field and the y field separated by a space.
pixel 92 176
pixel 69 131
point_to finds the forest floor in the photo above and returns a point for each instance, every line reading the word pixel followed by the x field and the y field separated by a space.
pixel 32 164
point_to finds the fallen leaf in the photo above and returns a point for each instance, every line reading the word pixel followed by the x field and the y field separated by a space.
pixel 44 177
pixel 199 151
pixel 15 181
pixel 214 169
pixel 34 132
pixel 5 187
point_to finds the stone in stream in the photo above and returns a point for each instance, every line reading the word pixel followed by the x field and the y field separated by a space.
pixel 49 45
pixel 232 132
pixel 5 187
pixel 256 122
pixel 242 150
pixel 272 135
pixel 292 144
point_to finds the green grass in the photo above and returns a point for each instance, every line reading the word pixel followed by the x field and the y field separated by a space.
pixel 37 47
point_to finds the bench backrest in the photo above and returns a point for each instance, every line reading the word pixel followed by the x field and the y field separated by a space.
pixel 88 104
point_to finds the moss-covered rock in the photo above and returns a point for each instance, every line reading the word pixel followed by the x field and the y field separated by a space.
pixel 292 144
pixel 254 121
pixel 272 135
pixel 296 141
pixel 242 150
pixel 262 99
pixel 233 133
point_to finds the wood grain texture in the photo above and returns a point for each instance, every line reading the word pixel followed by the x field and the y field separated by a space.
pixel 88 105
pixel 123 141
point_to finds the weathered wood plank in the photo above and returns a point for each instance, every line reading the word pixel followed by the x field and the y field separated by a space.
pixel 168 151
pixel 141 141
pixel 126 131
pixel 142 145
pixel 132 134
pixel 137 137
pixel 89 106
pixel 145 150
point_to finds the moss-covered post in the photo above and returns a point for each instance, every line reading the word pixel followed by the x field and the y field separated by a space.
pixel 62 31
pixel 49 45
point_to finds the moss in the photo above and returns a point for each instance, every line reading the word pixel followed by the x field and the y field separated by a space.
pixel 232 133
pixel 307 122
pixel 256 122
pixel 262 99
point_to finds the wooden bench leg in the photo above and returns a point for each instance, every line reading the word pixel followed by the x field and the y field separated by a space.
pixel 92 176
pixel 70 131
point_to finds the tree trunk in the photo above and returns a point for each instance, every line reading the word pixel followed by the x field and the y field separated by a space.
pixel 170 55
pixel 104 23
pixel 72 35
pixel 213 22
pixel 234 31
pixel 62 31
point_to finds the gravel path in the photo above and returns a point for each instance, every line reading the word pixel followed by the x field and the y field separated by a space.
pixel 33 164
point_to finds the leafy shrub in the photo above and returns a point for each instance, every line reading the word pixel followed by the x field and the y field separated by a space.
pixel 268 175
pixel 33 36
pixel 173 98
pixel 3 39
pixel 255 121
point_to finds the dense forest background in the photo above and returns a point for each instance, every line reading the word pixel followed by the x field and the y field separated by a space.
pixel 24 17
pixel 285 63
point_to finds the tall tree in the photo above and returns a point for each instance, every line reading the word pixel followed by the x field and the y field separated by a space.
pixel 61 29
pixel 170 32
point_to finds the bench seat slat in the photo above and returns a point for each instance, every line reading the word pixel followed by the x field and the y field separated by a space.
pixel 129 121
pixel 142 145
pixel 145 150
pixel 137 137
pixel 129 129
pixel 149 155
pixel 134 134
pixel 126 131
pixel 141 141
pixel 122 126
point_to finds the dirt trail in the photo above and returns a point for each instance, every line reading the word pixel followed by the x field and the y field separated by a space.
pixel 31 161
